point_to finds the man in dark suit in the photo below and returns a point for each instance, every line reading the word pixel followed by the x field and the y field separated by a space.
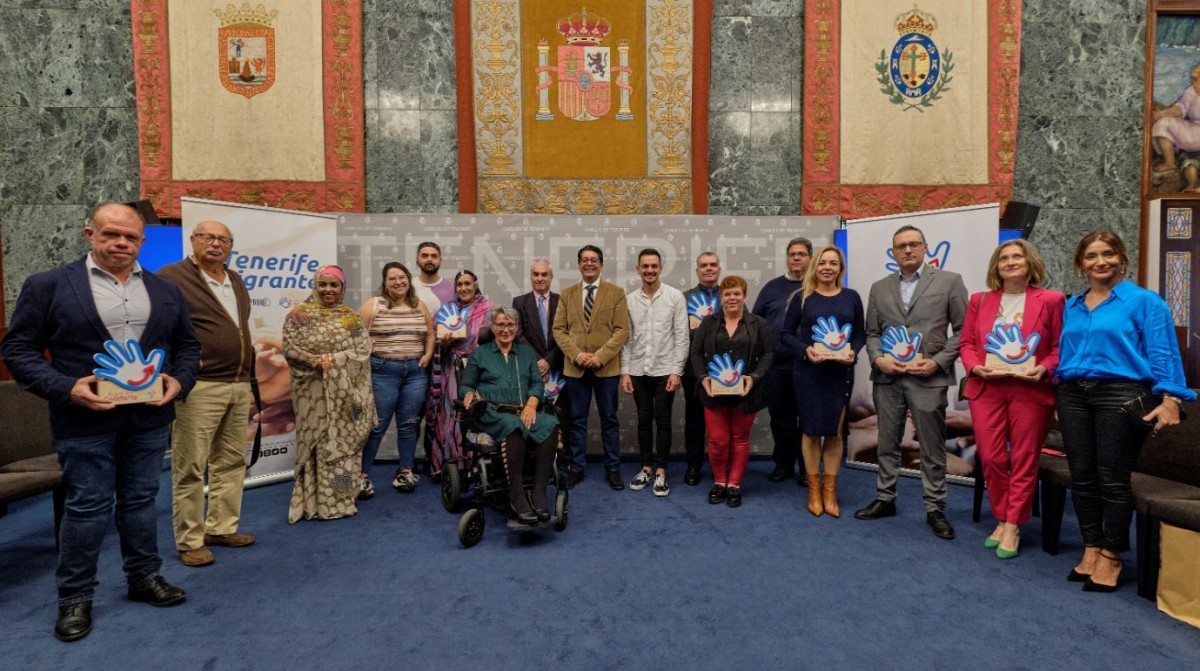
pixel 106 451
pixel 537 309
pixel 925 307
pixel 591 328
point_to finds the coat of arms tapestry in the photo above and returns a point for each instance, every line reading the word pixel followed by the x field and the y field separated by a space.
pixel 909 106
pixel 598 107
pixel 259 104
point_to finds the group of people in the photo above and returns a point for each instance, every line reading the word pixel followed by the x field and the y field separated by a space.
pixel 528 375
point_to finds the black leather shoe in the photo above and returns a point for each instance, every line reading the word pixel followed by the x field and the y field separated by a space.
pixel 876 510
pixel 692 476
pixel 780 474
pixel 716 494
pixel 940 525
pixel 733 497
pixel 157 592
pixel 614 480
pixel 74 621
pixel 543 514
pixel 528 517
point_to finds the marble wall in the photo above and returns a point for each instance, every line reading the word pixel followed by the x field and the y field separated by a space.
pixel 68 127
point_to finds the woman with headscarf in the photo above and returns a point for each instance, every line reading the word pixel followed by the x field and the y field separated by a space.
pixel 473 309
pixel 328 350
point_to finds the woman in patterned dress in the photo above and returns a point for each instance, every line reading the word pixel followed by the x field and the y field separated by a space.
pixel 329 351
pixel 474 308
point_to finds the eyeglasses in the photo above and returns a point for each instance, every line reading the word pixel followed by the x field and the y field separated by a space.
pixel 908 245
pixel 208 239
pixel 504 327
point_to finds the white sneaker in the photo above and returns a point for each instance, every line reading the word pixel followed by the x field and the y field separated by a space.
pixel 660 486
pixel 640 481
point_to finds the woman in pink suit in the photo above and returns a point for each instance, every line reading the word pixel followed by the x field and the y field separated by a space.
pixel 1011 412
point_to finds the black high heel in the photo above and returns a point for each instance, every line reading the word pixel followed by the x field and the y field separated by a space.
pixel 1076 576
pixel 1090 585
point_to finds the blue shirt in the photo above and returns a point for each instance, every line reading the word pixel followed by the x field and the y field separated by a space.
pixel 908 286
pixel 1130 336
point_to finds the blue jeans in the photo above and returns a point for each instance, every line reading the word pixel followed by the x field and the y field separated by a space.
pixel 1102 445
pixel 399 388
pixel 580 391
pixel 96 469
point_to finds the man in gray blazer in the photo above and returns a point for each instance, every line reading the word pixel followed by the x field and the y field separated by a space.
pixel 912 355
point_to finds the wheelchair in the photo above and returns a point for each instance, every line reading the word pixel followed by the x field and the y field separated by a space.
pixel 486 484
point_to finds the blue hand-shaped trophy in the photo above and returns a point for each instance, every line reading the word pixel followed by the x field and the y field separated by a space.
pixel 900 345
pixel 127 375
pixel 832 340
pixel 1008 352
pixel 450 319
pixel 699 306
pixel 554 385
pixel 726 375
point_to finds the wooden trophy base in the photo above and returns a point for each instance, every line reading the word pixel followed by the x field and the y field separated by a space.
pixel 693 322
pixel 911 362
pixel 719 389
pixel 458 333
pixel 999 365
pixel 110 391
pixel 826 354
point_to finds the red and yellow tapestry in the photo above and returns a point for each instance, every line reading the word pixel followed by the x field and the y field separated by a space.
pixel 909 106
pixel 596 107
pixel 258 103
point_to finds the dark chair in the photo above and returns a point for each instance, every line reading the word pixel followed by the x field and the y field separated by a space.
pixel 28 463
pixel 1166 488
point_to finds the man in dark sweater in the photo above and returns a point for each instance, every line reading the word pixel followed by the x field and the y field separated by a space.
pixel 210 424
pixel 772 305
pixel 701 300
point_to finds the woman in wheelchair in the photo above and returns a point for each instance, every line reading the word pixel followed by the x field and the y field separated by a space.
pixel 503 375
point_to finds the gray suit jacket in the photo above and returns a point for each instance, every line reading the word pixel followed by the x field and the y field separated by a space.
pixel 939 304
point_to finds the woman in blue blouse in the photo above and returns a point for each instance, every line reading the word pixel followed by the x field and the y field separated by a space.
pixel 1121 378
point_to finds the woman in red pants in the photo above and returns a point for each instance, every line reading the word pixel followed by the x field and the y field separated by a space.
pixel 1010 349
pixel 727 344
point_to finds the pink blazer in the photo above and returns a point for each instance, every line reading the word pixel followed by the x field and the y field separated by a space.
pixel 1043 314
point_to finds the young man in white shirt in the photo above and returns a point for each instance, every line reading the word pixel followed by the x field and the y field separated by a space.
pixel 652 365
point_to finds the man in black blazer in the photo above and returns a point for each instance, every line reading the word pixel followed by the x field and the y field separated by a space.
pixel 108 452
pixel 537 322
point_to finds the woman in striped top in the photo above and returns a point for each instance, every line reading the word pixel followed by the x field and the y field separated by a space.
pixel 402 339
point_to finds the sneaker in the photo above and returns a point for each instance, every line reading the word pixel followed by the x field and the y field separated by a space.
pixel 660 486
pixel 640 481
pixel 405 481
pixel 368 489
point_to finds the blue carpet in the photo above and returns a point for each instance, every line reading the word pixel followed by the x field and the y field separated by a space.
pixel 634 582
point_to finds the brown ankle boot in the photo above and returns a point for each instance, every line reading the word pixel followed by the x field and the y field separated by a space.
pixel 814 495
pixel 829 496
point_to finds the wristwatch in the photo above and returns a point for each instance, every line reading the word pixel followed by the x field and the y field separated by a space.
pixel 1178 404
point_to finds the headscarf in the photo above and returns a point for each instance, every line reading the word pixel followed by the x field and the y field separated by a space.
pixel 479 309
pixel 333 271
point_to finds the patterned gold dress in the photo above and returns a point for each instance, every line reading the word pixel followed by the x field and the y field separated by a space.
pixel 335 409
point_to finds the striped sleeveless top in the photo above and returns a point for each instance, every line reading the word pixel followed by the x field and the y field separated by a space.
pixel 398 332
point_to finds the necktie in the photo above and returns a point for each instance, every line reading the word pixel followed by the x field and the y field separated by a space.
pixel 588 303
pixel 542 315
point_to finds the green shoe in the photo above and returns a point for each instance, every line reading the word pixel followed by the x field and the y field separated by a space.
pixel 991 543
pixel 1008 554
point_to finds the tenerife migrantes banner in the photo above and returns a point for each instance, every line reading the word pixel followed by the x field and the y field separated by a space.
pixel 276 252
pixel 258 104
pixel 588 108
pixel 909 106
pixel 959 240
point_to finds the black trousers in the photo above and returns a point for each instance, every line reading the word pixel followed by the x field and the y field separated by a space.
pixel 653 403
pixel 785 419
pixel 693 426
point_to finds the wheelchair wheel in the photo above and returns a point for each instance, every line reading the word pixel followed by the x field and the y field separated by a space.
pixel 470 528
pixel 451 486
pixel 560 511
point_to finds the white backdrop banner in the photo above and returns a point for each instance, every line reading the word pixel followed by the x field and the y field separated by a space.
pixel 499 250
pixel 276 252
pixel 960 240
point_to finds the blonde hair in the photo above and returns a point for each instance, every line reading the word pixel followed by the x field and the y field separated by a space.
pixel 1037 267
pixel 808 286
